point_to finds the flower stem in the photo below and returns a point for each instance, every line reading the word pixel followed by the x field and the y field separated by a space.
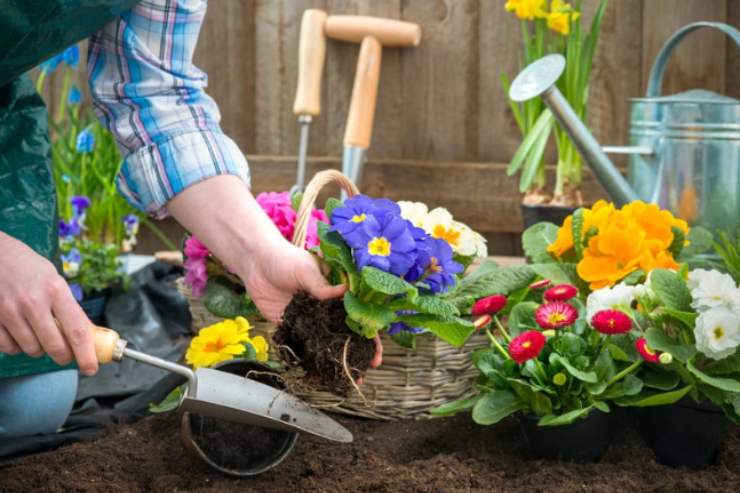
pixel 624 373
pixel 500 326
pixel 496 344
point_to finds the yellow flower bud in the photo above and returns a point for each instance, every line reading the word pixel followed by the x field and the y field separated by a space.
pixel 665 358
pixel 548 333
pixel 560 379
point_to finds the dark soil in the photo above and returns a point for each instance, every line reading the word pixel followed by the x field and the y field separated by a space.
pixel 439 456
pixel 316 333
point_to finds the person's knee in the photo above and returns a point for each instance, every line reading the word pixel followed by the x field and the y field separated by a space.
pixel 36 404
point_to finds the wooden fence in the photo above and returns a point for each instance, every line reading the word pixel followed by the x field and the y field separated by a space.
pixel 443 130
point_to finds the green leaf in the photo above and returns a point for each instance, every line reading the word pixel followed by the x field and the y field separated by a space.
pixel 660 380
pixel 671 289
pixel 578 232
pixel 371 318
pixel 564 419
pixel 386 283
pixel 170 403
pixel 658 340
pixel 295 200
pixel 222 299
pixel 522 318
pixel 455 331
pixel 726 384
pixel 538 402
pixel 634 277
pixel 337 254
pixel 494 406
pixel 454 407
pixel 485 359
pixel 679 238
pixel 726 366
pixel 405 339
pixel 631 385
pixel 686 318
pixel 501 280
pixel 434 305
pixel 541 128
pixel 648 399
pixel 250 353
pixel 536 239
pixel 331 204
pixel 700 241
pixel 557 273
pixel 569 344
pixel 585 376
pixel 535 160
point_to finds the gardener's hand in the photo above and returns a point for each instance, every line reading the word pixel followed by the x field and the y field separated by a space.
pixel 38 313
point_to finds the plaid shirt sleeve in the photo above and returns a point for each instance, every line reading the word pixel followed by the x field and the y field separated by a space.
pixel 149 94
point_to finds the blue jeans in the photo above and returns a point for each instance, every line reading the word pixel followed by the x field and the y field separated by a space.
pixel 36 404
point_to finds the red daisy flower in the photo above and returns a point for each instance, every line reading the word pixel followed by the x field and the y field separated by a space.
pixel 611 322
pixel 646 353
pixel 541 284
pixel 490 305
pixel 561 292
pixel 555 315
pixel 482 322
pixel 526 346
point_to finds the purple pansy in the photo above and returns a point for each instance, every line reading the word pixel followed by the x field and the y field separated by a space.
pixel 80 203
pixel 441 270
pixel 384 241
pixel 131 223
pixel 69 229
pixel 71 262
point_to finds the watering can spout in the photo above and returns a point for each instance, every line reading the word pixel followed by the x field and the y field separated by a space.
pixel 538 79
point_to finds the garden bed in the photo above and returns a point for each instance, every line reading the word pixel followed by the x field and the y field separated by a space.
pixel 443 455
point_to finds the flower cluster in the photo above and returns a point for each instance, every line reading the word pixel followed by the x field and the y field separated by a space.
pixel 196 269
pixel 617 242
pixel 380 236
pixel 439 223
pixel 224 341
pixel 279 208
pixel 716 299
pixel 559 18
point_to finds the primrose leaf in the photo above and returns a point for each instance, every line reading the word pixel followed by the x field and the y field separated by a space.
pixel 578 232
pixel 455 331
pixel 726 384
pixel 537 238
pixel 331 204
pixel 494 406
pixel 223 300
pixel 337 254
pixel 405 339
pixel 434 305
pixel 487 281
pixel 671 289
pixel 383 282
pixel 295 200
pixel 557 273
pixel 726 366
pixel 371 318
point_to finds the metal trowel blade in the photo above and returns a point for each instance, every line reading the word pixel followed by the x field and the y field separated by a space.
pixel 234 398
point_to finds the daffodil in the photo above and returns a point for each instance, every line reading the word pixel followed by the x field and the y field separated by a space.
pixel 219 342
pixel 561 16
pixel 526 9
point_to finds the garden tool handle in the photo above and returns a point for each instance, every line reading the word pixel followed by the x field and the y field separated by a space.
pixel 311 55
pixel 108 344
pixel 390 32
pixel 364 94
pixel 656 73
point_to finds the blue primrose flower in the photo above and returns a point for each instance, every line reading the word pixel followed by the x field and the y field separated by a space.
pixel 397 327
pixel 441 268
pixel 422 254
pixel 75 96
pixel 384 242
pixel 85 141
pixel 348 219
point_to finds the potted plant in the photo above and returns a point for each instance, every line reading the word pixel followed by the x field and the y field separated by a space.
pixel 574 350
pixel 546 29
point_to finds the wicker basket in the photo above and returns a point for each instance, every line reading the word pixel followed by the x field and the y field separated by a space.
pixel 409 382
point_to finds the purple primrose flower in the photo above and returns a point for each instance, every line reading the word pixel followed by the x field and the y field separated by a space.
pixel 385 242
pixel 441 269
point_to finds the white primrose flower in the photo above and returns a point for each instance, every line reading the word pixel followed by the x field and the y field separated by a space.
pixel 439 223
pixel 717 332
pixel 415 212
pixel 619 296
pixel 711 289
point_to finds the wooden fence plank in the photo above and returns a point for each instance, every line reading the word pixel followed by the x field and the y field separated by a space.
pixel 699 61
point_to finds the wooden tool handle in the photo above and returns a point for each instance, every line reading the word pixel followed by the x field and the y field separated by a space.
pixel 106 341
pixel 390 32
pixel 364 94
pixel 311 54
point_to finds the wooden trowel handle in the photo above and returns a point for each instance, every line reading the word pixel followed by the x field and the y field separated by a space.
pixel 311 54
pixel 106 341
pixel 364 94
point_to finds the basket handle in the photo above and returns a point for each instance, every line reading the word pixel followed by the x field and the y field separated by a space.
pixel 319 181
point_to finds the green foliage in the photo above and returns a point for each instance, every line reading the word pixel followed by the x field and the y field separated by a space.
pixel 671 289
pixel 454 330
pixel 565 419
pixel 331 204
pixel 223 299
pixel 454 407
pixel 492 407
pixel 728 248
pixel 370 317
pixel 100 267
pixel 491 280
pixel 521 317
pixel 536 239
pixel 383 282
pixel 578 232
pixel 170 403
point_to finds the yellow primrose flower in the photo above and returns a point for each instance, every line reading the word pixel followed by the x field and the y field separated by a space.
pixel 218 342
pixel 560 17
pixel 261 347
pixel 526 9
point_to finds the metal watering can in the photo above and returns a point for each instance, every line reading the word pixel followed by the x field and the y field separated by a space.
pixel 685 148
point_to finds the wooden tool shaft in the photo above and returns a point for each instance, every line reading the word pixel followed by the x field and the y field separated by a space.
pixel 105 341
pixel 389 32
pixel 364 94
pixel 311 55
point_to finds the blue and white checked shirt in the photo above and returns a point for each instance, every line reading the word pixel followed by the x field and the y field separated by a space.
pixel 149 94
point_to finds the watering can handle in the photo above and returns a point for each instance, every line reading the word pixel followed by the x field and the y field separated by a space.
pixel 656 73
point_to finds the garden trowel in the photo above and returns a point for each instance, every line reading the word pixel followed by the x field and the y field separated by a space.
pixel 230 397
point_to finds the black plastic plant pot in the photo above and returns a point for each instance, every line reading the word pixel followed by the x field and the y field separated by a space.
pixel 238 449
pixel 685 434
pixel 584 440
pixel 94 306
pixel 533 214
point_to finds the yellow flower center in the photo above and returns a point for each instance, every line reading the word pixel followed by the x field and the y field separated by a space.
pixel 358 218
pixel 434 265
pixel 526 344
pixel 648 350
pixel 451 236
pixel 556 317
pixel 719 332
pixel 379 246
pixel 214 346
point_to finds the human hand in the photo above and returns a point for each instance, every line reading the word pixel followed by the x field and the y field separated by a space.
pixel 38 313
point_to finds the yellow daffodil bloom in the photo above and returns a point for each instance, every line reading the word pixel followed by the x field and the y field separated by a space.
pixel 560 17
pixel 223 341
pixel 526 9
